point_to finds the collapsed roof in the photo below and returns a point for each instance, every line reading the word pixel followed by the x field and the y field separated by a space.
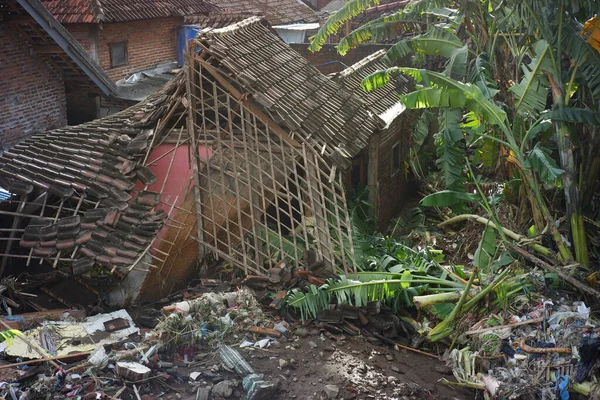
pixel 295 94
pixel 384 101
pixel 93 167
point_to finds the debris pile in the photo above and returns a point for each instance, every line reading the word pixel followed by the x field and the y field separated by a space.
pixel 546 351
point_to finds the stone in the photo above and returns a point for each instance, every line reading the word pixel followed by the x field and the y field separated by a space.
pixel 396 369
pixel 203 393
pixel 283 363
pixel 312 344
pixel 392 379
pixel 223 389
pixel 331 391
pixel 301 331
pixel 389 357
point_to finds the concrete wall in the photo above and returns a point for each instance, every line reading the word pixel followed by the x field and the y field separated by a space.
pixel 32 92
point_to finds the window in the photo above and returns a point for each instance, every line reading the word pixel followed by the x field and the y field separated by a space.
pixel 118 54
pixel 396 161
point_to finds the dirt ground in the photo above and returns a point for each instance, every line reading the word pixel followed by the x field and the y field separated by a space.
pixel 314 367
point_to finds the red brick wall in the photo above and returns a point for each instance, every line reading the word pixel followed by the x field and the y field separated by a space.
pixel 149 43
pixel 328 61
pixel 32 93
pixel 82 33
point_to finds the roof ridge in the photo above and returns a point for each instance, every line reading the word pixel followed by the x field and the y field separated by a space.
pixel 238 25
pixel 361 63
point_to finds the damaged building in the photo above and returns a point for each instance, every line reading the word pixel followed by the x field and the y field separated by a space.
pixel 241 157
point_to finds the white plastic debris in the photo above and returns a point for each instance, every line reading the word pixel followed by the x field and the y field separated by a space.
pixel 263 343
pixel 98 357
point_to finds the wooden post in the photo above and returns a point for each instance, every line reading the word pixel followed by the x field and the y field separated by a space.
pixel 191 107
pixel 321 226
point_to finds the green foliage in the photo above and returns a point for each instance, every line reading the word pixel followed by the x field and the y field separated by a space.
pixel 8 335
pixel 447 198
pixel 542 162
pixel 532 92
pixel 486 250
pixel 574 115
pixel 377 30
pixel 351 9
pixel 481 75
pixel 359 289
pixel 434 42
pixel 450 147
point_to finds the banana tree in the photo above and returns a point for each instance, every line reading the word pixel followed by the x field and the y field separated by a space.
pixel 547 54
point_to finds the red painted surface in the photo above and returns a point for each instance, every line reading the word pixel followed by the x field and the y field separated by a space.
pixel 173 182
pixel 176 180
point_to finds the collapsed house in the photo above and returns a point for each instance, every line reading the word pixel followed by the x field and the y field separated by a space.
pixel 241 158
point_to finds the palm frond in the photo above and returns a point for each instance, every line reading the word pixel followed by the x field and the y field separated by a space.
pixel 450 147
pixel 421 131
pixel 481 75
pixel 456 66
pixel 574 115
pixel 474 99
pixel 532 92
pixel 362 290
pixel 435 41
pixel 378 30
pixel 542 162
pixel 351 9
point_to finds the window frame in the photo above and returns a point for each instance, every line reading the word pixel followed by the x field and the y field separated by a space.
pixel 110 50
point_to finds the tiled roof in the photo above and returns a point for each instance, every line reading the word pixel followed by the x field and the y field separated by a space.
pixel 383 99
pixel 277 12
pixel 218 20
pixel 322 111
pixel 94 11
pixel 102 160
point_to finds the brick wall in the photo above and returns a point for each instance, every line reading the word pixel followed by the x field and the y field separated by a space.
pixel 391 182
pixel 328 61
pixel 32 93
pixel 149 43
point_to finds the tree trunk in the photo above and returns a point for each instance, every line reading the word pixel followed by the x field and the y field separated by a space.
pixel 569 179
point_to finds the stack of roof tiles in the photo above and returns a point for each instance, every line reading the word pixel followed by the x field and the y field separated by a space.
pixel 322 111
pixel 382 99
pixel 100 160
pixel 94 11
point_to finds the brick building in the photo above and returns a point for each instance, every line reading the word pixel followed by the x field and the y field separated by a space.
pixel 137 42
pixel 42 64
pixel 126 37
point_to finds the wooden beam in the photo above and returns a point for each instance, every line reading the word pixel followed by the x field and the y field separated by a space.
pixel 251 106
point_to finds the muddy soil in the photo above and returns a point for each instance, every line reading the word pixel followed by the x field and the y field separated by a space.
pixel 358 368
pixel 314 367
